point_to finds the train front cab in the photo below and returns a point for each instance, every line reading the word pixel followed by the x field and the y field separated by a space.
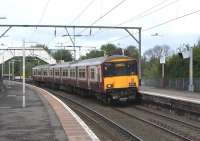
pixel 120 79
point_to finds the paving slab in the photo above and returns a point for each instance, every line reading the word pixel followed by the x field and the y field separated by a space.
pixel 36 122
pixel 171 92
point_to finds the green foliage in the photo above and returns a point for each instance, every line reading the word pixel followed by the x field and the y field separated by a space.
pixel 30 63
pixel 108 48
pixel 196 62
pixel 62 55
pixel 151 61
pixel 175 66
pixel 93 54
pixel 132 51
pixel 151 68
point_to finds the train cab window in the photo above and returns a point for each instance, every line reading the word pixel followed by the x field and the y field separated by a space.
pixel 92 73
pixel 132 67
pixel 120 68
pixel 108 69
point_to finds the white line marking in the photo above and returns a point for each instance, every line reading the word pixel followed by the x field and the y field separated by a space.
pixel 187 99
pixel 5 107
pixel 11 95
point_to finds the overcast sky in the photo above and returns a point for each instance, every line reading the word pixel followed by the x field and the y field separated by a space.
pixel 64 12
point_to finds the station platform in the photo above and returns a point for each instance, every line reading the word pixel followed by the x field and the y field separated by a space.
pixel 193 97
pixel 45 118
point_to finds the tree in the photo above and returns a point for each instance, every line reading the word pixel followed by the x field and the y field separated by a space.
pixel 151 66
pixel 43 46
pixel 93 54
pixel 157 51
pixel 108 49
pixel 62 55
pixel 132 51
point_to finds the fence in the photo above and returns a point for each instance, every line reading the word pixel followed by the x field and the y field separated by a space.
pixel 179 83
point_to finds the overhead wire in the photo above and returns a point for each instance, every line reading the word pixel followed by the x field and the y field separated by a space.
pixel 160 24
pixel 147 12
pixel 42 16
pixel 83 11
pixel 44 11
pixel 105 14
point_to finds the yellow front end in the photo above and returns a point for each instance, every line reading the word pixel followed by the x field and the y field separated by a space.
pixel 121 87
pixel 120 78
pixel 120 82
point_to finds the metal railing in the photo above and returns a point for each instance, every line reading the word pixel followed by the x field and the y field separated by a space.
pixel 178 83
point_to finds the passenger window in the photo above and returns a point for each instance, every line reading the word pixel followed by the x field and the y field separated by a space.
pixel 92 73
pixel 81 73
pixel 72 73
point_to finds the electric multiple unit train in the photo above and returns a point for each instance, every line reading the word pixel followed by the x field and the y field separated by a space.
pixel 112 78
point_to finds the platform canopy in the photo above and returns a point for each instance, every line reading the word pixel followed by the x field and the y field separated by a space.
pixel 38 52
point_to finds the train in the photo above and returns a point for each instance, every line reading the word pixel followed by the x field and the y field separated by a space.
pixel 109 78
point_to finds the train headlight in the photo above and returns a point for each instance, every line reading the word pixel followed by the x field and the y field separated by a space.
pixel 132 84
pixel 109 85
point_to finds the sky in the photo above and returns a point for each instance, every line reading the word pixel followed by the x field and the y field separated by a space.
pixel 142 13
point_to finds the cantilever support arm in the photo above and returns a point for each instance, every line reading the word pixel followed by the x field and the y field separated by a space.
pixel 5 31
pixel 131 35
pixel 139 46
pixel 70 36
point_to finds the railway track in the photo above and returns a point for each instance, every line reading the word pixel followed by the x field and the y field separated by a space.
pixel 168 117
pixel 117 132
pixel 100 119
pixel 161 125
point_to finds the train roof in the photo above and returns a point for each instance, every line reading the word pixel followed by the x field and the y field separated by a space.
pixel 43 66
pixel 98 61
pixel 86 62
pixel 65 64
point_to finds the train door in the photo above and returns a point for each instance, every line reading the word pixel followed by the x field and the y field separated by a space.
pixel 53 75
pixel 61 75
pixel 42 74
pixel 76 76
pixel 88 76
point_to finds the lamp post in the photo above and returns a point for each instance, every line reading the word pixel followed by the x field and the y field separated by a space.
pixel 2 67
pixel 188 53
pixel 23 78
pixel 191 86
pixel 162 61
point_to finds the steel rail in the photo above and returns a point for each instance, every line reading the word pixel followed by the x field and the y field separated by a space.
pixel 170 118
pixel 124 130
pixel 153 124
